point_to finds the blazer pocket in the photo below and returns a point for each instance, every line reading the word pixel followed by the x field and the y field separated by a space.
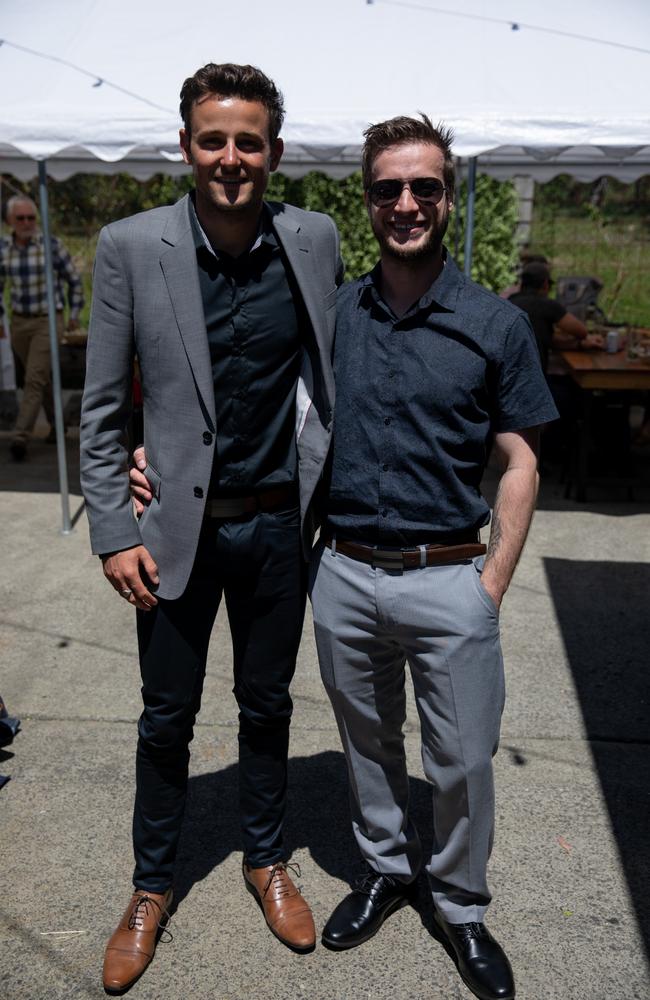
pixel 329 300
pixel 153 478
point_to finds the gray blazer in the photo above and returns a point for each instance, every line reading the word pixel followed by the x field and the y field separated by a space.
pixel 147 301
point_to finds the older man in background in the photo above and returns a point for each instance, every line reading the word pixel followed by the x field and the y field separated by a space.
pixel 22 265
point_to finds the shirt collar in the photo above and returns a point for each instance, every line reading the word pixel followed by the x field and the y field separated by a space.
pixel 265 232
pixel 443 292
pixel 35 240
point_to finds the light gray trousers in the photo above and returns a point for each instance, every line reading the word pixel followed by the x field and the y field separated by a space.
pixel 369 623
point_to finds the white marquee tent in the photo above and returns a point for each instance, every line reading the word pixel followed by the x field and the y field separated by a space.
pixel 530 89
pixel 525 100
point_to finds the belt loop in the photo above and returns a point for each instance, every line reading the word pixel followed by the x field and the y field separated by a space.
pixel 333 545
pixel 423 556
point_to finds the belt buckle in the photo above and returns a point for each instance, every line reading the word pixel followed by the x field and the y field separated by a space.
pixel 387 559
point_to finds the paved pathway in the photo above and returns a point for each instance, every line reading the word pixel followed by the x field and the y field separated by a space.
pixel 570 870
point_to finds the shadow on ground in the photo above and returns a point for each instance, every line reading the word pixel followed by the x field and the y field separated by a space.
pixel 604 616
pixel 318 788
pixel 39 472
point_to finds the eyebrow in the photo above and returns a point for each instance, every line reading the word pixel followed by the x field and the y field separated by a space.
pixel 218 133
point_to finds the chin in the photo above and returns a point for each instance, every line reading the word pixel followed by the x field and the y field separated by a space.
pixel 413 251
pixel 231 206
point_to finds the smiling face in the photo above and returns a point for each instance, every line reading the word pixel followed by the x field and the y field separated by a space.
pixel 22 219
pixel 230 153
pixel 408 229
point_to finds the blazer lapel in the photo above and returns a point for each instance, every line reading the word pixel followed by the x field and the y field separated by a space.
pixel 178 263
pixel 297 246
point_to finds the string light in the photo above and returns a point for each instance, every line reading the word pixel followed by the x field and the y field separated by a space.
pixel 98 80
pixel 513 25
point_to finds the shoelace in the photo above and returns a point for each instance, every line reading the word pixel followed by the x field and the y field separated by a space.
pixel 277 873
pixel 369 881
pixel 141 910
pixel 471 930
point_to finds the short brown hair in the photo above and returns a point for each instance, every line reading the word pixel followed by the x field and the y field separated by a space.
pixel 248 83
pixel 402 131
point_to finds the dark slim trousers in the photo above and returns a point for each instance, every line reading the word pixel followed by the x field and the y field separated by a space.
pixel 257 563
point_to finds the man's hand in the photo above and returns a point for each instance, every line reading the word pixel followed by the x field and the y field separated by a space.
pixel 73 324
pixel 594 340
pixel 126 571
pixel 138 483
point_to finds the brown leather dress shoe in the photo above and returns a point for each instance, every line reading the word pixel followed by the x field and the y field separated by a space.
pixel 286 912
pixel 133 944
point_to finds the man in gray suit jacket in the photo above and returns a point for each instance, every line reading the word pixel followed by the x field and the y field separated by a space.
pixel 228 303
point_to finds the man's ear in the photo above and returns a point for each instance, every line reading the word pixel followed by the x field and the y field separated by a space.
pixel 184 138
pixel 277 149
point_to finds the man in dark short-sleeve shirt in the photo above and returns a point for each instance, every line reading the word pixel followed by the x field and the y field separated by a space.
pixel 427 365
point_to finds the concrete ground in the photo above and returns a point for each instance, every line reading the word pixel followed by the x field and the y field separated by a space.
pixel 570 870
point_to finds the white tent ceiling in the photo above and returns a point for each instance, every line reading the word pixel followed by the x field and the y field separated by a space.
pixel 528 101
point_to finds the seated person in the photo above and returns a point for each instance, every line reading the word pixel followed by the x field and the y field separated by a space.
pixel 551 323
pixel 525 258
pixel 553 326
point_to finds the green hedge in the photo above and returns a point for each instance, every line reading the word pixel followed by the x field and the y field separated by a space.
pixel 495 219
pixel 82 204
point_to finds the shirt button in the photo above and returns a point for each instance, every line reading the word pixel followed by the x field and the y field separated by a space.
pixel 384 513
pixel 387 420
pixel 207 437
pixel 198 492
pixel 391 374
pixel 385 468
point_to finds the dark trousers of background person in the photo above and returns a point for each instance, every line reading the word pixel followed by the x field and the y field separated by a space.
pixel 256 561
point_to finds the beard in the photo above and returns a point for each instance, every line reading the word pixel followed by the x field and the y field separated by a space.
pixel 427 248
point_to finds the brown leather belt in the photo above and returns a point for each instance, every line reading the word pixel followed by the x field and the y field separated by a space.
pixel 267 500
pixel 413 558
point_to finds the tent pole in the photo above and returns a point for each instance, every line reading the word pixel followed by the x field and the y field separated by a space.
pixel 54 350
pixel 469 217
pixel 456 212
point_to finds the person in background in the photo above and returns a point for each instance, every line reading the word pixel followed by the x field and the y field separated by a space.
pixel 551 322
pixel 525 258
pixel 22 266
pixel 554 327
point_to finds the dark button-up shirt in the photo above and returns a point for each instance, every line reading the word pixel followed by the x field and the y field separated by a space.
pixel 254 329
pixel 416 399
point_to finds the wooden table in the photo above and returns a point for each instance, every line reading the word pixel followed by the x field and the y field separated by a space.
pixel 595 371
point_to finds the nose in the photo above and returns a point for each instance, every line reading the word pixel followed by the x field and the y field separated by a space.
pixel 406 202
pixel 230 158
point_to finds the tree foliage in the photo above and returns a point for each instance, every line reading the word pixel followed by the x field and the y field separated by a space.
pixel 494 255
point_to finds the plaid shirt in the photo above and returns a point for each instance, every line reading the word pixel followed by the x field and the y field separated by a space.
pixel 24 268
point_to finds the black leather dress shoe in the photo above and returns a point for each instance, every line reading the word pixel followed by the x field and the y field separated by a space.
pixel 481 961
pixel 360 915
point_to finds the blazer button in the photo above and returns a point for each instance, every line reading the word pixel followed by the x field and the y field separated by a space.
pixel 207 437
pixel 198 492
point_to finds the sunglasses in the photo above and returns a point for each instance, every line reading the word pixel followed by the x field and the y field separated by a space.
pixel 425 189
pixel 25 218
